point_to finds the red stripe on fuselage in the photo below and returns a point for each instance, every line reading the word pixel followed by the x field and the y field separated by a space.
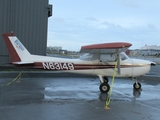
pixel 69 66
pixel 54 66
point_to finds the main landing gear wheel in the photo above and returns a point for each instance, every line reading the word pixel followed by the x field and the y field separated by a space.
pixel 137 86
pixel 104 87
pixel 105 79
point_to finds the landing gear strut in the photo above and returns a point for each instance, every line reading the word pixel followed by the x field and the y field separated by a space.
pixel 104 86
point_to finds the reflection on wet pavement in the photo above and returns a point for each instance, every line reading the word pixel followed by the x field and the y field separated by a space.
pixel 84 93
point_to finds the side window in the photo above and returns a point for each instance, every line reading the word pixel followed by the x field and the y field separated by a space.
pixel 108 57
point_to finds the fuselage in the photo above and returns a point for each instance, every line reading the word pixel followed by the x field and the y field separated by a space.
pixel 92 64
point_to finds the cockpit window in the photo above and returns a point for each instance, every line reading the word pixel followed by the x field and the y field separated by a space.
pixel 104 57
pixel 86 56
pixel 123 56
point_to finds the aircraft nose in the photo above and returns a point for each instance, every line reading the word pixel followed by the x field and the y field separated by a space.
pixel 142 62
pixel 141 67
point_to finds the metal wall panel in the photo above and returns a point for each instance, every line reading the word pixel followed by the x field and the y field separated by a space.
pixel 28 19
pixel 4 24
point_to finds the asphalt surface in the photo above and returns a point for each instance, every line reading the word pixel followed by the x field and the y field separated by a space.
pixel 62 96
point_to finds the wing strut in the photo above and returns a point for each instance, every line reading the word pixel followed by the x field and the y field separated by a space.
pixel 119 64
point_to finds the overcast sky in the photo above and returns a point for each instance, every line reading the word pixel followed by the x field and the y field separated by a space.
pixel 75 23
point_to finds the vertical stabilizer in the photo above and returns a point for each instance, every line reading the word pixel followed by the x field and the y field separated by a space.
pixel 17 51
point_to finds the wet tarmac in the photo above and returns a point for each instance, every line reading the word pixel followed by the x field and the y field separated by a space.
pixel 75 97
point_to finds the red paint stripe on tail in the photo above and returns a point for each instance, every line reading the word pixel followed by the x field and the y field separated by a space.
pixel 12 52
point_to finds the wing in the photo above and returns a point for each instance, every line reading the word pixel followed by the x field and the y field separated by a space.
pixel 109 48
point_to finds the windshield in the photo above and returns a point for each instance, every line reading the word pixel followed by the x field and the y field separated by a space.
pixel 123 56
pixel 86 56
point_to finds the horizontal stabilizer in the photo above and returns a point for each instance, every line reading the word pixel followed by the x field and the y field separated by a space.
pixel 20 63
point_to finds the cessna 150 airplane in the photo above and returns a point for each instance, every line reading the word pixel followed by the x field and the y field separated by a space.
pixel 99 60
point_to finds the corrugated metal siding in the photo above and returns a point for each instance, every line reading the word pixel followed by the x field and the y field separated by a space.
pixel 4 24
pixel 28 19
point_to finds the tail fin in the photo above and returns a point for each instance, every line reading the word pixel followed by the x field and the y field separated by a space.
pixel 17 51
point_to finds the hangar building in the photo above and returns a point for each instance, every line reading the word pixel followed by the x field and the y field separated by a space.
pixel 28 20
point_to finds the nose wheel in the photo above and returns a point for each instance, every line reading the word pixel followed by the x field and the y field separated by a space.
pixel 137 86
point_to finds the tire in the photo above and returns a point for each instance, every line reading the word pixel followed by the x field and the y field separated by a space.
pixel 104 87
pixel 137 86
pixel 105 79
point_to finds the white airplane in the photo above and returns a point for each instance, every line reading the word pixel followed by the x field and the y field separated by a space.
pixel 99 60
